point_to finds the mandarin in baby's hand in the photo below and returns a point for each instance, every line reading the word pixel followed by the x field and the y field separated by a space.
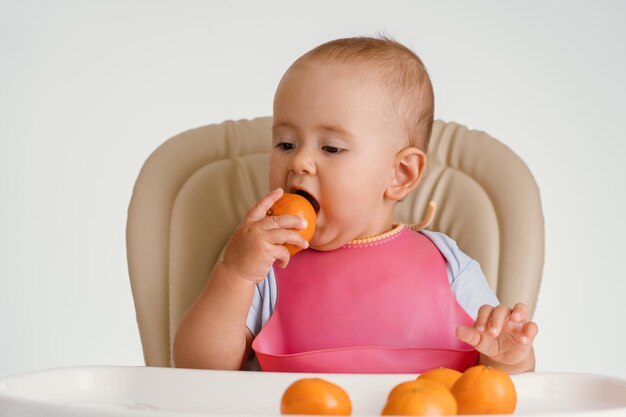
pixel 296 205
pixel 315 396
pixel 485 390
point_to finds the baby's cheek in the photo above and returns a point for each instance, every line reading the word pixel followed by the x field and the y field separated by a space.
pixel 275 182
pixel 277 174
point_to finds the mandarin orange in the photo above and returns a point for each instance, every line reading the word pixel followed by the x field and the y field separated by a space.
pixel 296 205
pixel 485 390
pixel 315 396
pixel 446 376
pixel 420 398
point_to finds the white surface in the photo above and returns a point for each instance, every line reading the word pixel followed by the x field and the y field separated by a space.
pixel 89 89
pixel 138 391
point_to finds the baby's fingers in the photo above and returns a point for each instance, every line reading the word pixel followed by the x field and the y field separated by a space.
pixel 283 236
pixel 285 221
pixel 481 342
pixel 529 331
pixel 498 318
pixel 281 256
pixel 468 335
pixel 482 318
pixel 260 210
pixel 519 314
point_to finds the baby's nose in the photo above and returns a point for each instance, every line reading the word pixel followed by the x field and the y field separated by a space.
pixel 302 163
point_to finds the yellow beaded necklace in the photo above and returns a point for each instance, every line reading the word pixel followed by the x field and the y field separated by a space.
pixel 430 214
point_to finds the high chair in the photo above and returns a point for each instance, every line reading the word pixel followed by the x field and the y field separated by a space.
pixel 197 186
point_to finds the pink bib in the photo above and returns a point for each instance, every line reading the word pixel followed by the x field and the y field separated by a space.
pixel 379 307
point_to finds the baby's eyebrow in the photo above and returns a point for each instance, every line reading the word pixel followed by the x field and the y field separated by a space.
pixel 330 128
pixel 279 125
pixel 336 129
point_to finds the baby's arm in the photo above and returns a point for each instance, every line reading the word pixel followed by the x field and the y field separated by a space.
pixel 504 337
pixel 213 332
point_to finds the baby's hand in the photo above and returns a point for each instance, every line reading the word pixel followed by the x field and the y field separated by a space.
pixel 503 335
pixel 258 240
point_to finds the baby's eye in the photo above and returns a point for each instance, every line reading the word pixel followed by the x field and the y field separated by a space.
pixel 285 146
pixel 333 150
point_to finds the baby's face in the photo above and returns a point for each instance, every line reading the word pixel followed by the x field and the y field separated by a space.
pixel 332 140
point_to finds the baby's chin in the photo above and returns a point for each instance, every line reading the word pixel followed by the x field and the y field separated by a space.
pixel 324 248
pixel 320 243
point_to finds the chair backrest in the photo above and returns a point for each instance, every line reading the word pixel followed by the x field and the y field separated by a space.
pixel 197 186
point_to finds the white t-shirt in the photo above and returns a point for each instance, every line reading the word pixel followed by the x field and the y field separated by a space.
pixel 467 280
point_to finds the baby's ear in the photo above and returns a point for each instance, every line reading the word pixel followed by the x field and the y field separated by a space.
pixel 409 166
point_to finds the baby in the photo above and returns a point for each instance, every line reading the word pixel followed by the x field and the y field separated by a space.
pixel 352 120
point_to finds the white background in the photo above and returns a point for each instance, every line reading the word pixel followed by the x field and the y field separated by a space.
pixel 89 89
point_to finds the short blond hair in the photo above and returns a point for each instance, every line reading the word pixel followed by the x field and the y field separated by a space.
pixel 401 71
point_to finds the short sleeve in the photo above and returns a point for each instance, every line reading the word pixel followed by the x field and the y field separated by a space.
pixel 263 303
pixel 466 278
pixel 472 290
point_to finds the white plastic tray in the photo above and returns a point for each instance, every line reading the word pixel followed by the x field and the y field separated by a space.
pixel 141 391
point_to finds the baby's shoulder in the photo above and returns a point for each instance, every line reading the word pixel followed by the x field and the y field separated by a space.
pixel 455 257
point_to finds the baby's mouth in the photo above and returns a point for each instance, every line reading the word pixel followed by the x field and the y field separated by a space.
pixel 310 199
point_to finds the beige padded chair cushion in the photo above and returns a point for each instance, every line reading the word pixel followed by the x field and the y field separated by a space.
pixel 197 186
